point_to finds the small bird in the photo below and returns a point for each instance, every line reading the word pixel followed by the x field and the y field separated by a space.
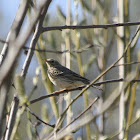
pixel 63 77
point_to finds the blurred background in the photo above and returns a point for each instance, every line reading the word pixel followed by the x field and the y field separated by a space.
pixel 98 49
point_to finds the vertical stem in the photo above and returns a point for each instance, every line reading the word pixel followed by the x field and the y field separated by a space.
pixel 5 48
pixel 120 45
pixel 96 31
pixel 128 54
pixel 102 58
pixel 82 74
pixel 77 44
pixel 127 33
pixel 13 33
pixel 128 68
pixel 3 101
pixel 63 61
pixel 132 99
pixel 12 117
pixel 67 42
pixel 46 81
pixel 131 104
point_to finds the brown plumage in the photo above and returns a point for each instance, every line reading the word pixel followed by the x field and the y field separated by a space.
pixel 64 77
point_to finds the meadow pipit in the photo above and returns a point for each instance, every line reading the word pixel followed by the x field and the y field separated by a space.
pixel 64 77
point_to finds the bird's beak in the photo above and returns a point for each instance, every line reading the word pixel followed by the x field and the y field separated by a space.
pixel 45 60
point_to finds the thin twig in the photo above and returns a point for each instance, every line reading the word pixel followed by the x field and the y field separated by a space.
pixel 109 81
pixel 95 100
pixel 7 68
pixel 136 80
pixel 17 44
pixel 12 117
pixel 106 26
pixel 32 113
pixel 3 41
pixel 57 93
pixel 36 132
pixel 96 79
pixel 83 121
pixel 127 64
pixel 57 51
pixel 82 113
pixel 64 51
pixel 35 39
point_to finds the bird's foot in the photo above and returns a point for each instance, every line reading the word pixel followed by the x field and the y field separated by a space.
pixel 61 91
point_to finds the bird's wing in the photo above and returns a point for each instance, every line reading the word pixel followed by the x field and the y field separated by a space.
pixel 70 75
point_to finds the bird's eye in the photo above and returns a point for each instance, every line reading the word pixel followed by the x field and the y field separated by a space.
pixel 52 61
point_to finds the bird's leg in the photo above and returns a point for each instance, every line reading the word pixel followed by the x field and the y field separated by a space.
pixel 60 91
pixel 60 99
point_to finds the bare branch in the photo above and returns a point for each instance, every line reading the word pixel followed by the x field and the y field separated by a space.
pixel 12 117
pixel 57 93
pixel 17 45
pixel 16 41
pixel 15 27
pixel 82 113
pixel 106 26
pixel 127 64
pixel 109 81
pixel 87 119
pixel 96 79
pixel 32 113
pixel 85 48
pixel 35 39
pixel 3 41
pixel 65 51
pixel 5 69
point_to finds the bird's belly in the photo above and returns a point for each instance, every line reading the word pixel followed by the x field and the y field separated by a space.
pixel 66 84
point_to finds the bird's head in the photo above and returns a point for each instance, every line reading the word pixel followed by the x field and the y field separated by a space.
pixel 52 63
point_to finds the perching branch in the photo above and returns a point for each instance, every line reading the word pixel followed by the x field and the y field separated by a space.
pixel 87 119
pixel 57 93
pixel 96 79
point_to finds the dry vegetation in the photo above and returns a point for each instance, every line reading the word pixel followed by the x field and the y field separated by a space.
pixel 87 39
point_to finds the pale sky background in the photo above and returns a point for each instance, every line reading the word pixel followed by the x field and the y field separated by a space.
pixel 8 10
